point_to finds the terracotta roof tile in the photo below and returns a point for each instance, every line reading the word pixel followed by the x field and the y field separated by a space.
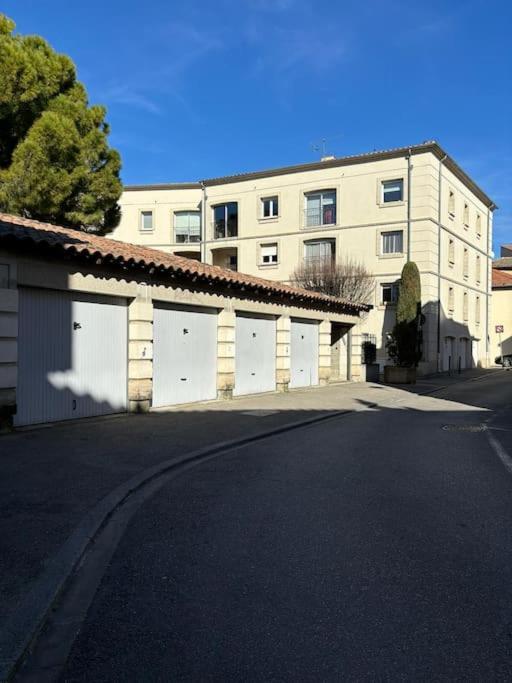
pixel 77 243
pixel 501 278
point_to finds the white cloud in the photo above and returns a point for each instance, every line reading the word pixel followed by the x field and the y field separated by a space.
pixel 124 94
pixel 297 49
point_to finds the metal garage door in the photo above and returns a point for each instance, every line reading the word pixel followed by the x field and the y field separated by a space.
pixel 303 353
pixel 184 355
pixel 255 355
pixel 72 356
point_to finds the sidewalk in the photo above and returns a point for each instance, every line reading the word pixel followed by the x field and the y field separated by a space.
pixel 51 476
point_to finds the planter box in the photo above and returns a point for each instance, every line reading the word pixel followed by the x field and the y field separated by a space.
pixel 396 375
pixel 370 372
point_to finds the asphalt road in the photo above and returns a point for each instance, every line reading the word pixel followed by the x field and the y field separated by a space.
pixel 376 546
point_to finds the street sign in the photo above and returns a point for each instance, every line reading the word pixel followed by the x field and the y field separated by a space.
pixel 499 329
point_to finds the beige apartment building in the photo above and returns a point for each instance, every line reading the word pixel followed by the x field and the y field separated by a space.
pixel 380 208
pixel 500 331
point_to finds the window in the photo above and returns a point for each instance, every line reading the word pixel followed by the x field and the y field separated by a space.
pixel 268 254
pixel 233 262
pixel 466 215
pixel 319 251
pixel 320 208
pixel 392 191
pixel 393 242
pixel 187 226
pixel 465 264
pixel 146 221
pixel 477 310
pixel 465 306
pixel 477 274
pixel 389 293
pixel 451 252
pixel 451 300
pixel 225 218
pixel 451 203
pixel 270 207
pixel 478 225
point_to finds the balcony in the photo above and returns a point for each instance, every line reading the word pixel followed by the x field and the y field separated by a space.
pixel 318 217
pixel 225 257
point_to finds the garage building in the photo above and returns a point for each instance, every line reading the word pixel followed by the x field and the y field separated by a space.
pixel 91 326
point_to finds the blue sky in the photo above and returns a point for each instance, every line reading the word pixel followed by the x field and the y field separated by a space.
pixel 198 89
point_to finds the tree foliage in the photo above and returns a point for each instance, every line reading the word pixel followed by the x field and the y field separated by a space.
pixel 348 280
pixel 405 343
pixel 409 299
pixel 55 161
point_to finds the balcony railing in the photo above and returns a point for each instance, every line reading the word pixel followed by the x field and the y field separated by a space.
pixel 187 238
pixel 223 230
pixel 316 217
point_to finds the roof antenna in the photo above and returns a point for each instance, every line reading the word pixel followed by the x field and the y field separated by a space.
pixel 321 147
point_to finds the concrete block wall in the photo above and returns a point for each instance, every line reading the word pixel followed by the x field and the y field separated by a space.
pixel 140 352
pixel 283 327
pixel 226 353
pixel 8 339
pixel 324 352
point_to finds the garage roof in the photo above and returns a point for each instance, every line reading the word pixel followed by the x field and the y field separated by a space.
pixel 17 231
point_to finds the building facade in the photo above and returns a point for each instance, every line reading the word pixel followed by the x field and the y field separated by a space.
pixel 380 209
pixel 501 322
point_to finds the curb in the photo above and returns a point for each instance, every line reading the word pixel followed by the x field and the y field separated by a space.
pixel 23 629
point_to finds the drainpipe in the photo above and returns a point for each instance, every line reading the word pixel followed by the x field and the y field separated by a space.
pixel 409 169
pixel 203 224
pixel 439 209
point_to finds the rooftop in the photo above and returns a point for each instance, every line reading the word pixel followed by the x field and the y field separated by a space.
pixel 376 155
pixel 503 263
pixel 66 242
pixel 501 278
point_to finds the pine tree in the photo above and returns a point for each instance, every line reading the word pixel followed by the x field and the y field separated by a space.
pixel 55 161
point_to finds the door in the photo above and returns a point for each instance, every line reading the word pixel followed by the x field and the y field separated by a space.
pixel 255 354
pixel 448 354
pixel 463 351
pixel 184 355
pixel 72 356
pixel 303 353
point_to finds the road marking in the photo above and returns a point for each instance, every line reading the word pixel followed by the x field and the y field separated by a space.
pixel 499 450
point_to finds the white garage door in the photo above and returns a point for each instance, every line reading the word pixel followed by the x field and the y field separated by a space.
pixel 72 356
pixel 184 355
pixel 255 355
pixel 303 353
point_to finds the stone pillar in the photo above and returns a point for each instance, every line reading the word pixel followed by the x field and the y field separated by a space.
pixel 226 353
pixel 324 352
pixel 283 326
pixel 8 347
pixel 356 369
pixel 140 352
